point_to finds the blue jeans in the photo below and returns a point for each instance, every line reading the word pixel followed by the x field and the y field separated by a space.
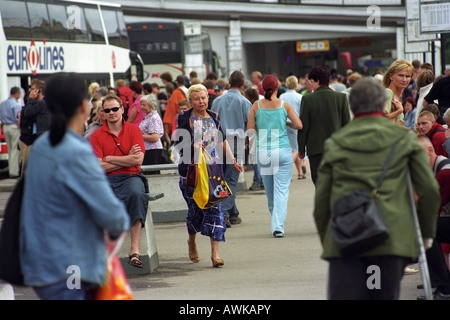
pixel 256 174
pixel 60 291
pixel 229 205
pixel 276 172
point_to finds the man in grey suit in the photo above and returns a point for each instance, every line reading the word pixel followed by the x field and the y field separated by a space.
pixel 322 112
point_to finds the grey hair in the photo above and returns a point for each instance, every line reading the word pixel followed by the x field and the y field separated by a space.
pixel 446 115
pixel 148 98
pixel 367 95
pixel 102 90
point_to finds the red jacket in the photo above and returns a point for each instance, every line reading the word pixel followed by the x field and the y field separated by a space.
pixel 437 137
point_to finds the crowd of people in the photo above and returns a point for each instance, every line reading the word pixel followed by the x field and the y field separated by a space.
pixel 343 126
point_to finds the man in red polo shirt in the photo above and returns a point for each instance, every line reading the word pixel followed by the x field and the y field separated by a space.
pixel 119 146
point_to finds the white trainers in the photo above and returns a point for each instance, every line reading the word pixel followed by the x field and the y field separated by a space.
pixel 409 270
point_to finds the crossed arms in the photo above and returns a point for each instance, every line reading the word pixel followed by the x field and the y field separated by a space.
pixel 134 158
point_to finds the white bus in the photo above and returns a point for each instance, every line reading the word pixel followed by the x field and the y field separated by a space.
pixel 39 38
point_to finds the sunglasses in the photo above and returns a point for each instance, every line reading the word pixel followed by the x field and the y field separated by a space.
pixel 115 109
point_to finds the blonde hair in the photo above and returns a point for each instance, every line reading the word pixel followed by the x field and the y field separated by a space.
pixel 428 115
pixel 355 76
pixel 93 86
pixel 291 82
pixel 258 74
pixel 196 88
pixel 97 108
pixel 395 67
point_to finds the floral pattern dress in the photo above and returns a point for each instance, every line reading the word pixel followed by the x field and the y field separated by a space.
pixel 209 222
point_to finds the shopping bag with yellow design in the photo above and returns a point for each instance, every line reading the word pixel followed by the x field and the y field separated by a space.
pixel 211 186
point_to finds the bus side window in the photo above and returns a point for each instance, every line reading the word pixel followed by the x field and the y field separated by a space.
pixel 58 18
pixel 112 28
pixel 40 26
pixel 78 32
pixel 94 25
pixel 123 31
pixel 15 20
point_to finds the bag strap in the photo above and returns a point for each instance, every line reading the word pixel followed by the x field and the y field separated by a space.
pixel 383 173
pixel 442 164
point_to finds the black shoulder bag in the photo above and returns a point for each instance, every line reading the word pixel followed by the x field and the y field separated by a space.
pixel 10 270
pixel 357 224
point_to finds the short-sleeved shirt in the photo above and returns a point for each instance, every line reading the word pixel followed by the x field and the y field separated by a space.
pixel 152 123
pixel 105 143
pixel 9 110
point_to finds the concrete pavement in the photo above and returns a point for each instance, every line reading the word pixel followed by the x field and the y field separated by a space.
pixel 257 265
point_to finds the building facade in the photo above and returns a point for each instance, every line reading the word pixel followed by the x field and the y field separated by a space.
pixel 291 36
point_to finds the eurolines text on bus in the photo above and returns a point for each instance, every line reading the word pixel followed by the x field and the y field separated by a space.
pixel 35 58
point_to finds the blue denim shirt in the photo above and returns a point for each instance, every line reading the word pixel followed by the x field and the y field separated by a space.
pixel 67 205
pixel 233 110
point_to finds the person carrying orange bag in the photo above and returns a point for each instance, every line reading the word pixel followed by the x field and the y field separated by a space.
pixel 116 286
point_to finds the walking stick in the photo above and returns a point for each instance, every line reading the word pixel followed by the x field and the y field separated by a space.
pixel 422 257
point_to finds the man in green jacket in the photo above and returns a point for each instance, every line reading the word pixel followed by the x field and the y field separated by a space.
pixel 322 113
pixel 353 159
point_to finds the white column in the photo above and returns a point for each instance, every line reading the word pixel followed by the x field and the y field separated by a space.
pixel 234 47
pixel 400 39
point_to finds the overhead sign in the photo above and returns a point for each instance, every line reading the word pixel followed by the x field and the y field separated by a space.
pixel 313 46
pixel 435 17
pixel 415 35
pixel 412 24
pixel 192 28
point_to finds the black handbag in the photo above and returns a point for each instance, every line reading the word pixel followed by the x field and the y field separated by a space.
pixel 357 225
pixel 10 270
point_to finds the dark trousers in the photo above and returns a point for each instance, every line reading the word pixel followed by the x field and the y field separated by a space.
pixel 366 278
pixel 130 189
pixel 439 274
pixel 314 162
pixel 152 156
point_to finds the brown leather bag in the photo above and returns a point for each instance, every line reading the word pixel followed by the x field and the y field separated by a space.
pixel 192 176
